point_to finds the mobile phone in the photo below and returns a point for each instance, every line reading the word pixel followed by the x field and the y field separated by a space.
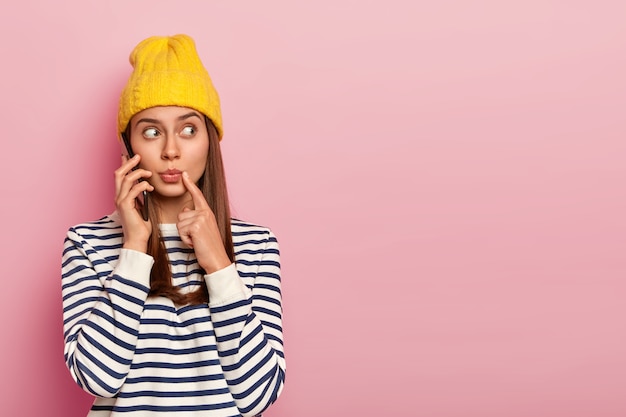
pixel 143 198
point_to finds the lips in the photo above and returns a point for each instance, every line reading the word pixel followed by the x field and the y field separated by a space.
pixel 171 175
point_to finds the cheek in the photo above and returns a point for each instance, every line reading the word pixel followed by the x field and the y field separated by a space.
pixel 201 164
pixel 200 158
pixel 149 161
pixel 148 153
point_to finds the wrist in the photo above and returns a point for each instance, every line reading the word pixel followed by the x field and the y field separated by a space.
pixel 216 264
pixel 138 246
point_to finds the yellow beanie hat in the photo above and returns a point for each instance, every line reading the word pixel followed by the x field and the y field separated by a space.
pixel 167 71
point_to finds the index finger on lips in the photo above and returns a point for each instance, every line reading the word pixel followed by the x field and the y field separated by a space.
pixel 199 202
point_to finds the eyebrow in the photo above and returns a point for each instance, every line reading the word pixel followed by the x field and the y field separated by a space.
pixel 179 118
pixel 188 115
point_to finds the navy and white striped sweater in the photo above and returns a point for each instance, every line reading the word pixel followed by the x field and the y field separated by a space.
pixel 144 356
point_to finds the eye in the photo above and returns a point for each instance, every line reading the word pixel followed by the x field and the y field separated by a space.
pixel 150 133
pixel 188 131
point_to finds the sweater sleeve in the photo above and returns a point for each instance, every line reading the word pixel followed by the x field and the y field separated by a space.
pixel 248 328
pixel 101 313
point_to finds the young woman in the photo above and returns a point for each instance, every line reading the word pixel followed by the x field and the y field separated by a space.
pixel 180 313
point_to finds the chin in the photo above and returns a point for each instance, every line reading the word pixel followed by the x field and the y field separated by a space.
pixel 171 190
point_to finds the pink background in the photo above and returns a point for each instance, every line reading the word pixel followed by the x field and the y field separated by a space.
pixel 446 180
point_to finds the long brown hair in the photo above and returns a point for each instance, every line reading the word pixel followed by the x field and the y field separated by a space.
pixel 213 186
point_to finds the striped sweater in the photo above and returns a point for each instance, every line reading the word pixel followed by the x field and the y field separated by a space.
pixel 144 356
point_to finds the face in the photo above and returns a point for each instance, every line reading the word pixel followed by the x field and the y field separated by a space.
pixel 170 140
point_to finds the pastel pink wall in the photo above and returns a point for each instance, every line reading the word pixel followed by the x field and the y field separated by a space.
pixel 446 179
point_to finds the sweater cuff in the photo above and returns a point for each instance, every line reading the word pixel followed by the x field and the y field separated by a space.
pixel 134 265
pixel 225 285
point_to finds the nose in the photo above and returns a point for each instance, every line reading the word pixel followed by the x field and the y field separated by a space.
pixel 170 148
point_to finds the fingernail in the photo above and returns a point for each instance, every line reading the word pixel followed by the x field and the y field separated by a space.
pixel 185 174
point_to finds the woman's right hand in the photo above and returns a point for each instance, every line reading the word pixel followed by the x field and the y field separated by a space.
pixel 127 188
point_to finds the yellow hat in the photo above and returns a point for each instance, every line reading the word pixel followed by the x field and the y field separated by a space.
pixel 167 71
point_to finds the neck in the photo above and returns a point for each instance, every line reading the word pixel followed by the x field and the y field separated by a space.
pixel 169 208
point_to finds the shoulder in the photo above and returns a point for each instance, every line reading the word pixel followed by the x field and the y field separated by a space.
pixel 242 228
pixel 255 246
pixel 249 233
pixel 106 227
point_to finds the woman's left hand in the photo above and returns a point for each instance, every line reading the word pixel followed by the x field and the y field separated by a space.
pixel 198 229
